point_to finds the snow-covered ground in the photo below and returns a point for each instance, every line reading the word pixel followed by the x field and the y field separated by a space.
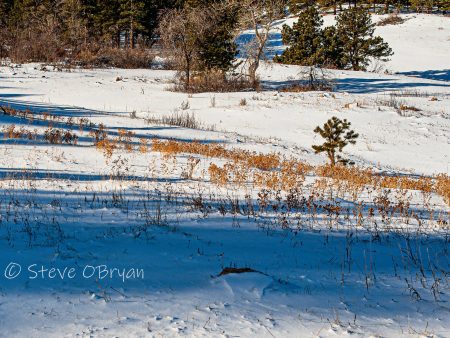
pixel 174 233
pixel 421 43
pixel 287 120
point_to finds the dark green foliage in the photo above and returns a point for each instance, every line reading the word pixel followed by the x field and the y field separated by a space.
pixel 131 19
pixel 348 45
pixel 331 53
pixel 304 40
pixel 5 10
pixel 309 44
pixel 355 31
pixel 295 6
pixel 199 41
pixel 218 50
pixel 337 135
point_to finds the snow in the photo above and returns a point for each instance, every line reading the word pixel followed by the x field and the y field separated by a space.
pixel 420 43
pixel 60 208
pixel 286 119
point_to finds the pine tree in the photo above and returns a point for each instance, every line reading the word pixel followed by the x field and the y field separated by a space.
pixel 355 32
pixel 218 49
pixel 5 10
pixel 304 39
pixel 337 135
pixel 295 6
pixel 131 15
pixel 105 17
pixel 74 26
pixel 331 52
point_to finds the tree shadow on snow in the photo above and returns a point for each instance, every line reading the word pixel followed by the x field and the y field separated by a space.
pixel 438 75
pixel 367 86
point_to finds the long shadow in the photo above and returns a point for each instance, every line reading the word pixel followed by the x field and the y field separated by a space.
pixel 359 85
pixel 7 96
pixel 438 75
pixel 63 111
pixel 44 174
pixel 60 110
pixel 366 86
pixel 321 212
pixel 304 265
pixel 301 251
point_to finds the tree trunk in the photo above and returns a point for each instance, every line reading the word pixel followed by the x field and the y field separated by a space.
pixel 332 157
pixel 187 81
pixel 252 73
pixel 131 35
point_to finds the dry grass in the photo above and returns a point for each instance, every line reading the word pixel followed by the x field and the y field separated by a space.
pixel 442 187
pixel 114 57
pixel 392 19
pixel 217 82
pixel 181 119
pixel 305 87
pixel 274 172
pixel 267 171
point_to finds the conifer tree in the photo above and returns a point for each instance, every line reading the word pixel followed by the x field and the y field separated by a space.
pixel 131 16
pixel 355 31
pixel 74 26
pixel 5 9
pixel 218 49
pixel 304 39
pixel 106 17
pixel 337 135
pixel 331 52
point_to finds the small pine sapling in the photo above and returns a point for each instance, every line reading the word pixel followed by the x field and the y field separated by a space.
pixel 337 135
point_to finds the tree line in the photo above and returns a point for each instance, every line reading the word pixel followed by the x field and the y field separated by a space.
pixel 380 6
pixel 198 37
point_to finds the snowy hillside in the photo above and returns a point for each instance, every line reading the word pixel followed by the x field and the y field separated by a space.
pixel 115 223
pixel 421 43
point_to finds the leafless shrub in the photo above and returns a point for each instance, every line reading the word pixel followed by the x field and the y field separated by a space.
pixel 213 81
pixel 181 31
pixel 185 105
pixel 114 57
pixel 392 19
pixel 181 119
pixel 258 16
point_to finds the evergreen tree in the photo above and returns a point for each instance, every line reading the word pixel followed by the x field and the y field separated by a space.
pixel 131 15
pixel 331 52
pixel 105 18
pixel 218 49
pixel 74 26
pixel 295 6
pixel 304 39
pixel 337 135
pixel 5 10
pixel 355 32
